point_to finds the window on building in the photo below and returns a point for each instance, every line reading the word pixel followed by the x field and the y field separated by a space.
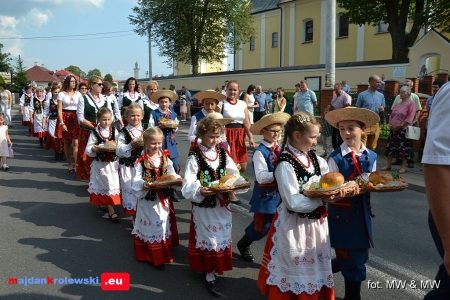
pixel 252 43
pixel 342 26
pixel 274 39
pixel 309 28
pixel 382 27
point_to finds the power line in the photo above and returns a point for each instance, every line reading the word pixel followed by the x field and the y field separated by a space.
pixel 63 36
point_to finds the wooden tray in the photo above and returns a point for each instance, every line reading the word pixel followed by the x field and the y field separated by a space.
pixel 395 186
pixel 330 194
pixel 165 184
pixel 170 125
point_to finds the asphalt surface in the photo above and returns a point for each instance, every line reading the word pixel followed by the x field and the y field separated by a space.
pixel 48 228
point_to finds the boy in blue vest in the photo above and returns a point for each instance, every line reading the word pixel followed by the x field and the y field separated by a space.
pixel 265 198
pixel 350 219
pixel 167 121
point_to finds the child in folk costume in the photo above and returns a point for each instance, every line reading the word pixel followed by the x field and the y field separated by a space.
pixel 5 143
pixel 37 118
pixel 209 248
pixel 350 218
pixel 210 99
pixel 297 256
pixel 129 148
pixel 104 187
pixel 51 115
pixel 163 113
pixel 155 229
pixel 265 198
pixel 25 103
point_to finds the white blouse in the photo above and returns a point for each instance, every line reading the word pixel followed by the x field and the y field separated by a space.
pixel 289 187
pixel 235 112
pixel 123 149
pixel 69 102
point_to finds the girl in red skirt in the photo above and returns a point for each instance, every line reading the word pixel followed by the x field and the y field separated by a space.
pixel 155 229
pixel 209 249
pixel 104 186
pixel 68 127
pixel 37 115
pixel 297 257
pixel 236 131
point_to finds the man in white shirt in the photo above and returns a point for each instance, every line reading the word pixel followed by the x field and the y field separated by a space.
pixel 436 166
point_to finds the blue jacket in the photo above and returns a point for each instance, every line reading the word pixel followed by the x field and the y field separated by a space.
pixel 169 133
pixel 199 115
pixel 265 200
pixel 350 219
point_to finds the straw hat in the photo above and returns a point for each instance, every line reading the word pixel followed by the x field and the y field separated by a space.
pixel 270 119
pixel 363 115
pixel 209 94
pixel 219 118
pixel 162 94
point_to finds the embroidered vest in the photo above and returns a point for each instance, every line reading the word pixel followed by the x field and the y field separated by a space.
pixel 53 110
pixel 105 156
pixel 27 100
pixel 151 174
pixel 199 115
pixel 38 106
pixel 90 112
pixel 129 161
pixel 169 133
pixel 206 174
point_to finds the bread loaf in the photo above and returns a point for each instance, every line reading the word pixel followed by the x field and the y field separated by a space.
pixel 380 177
pixel 331 180
pixel 167 177
pixel 227 180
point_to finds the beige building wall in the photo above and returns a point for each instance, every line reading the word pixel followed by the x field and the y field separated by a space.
pixel 307 53
pixel 250 59
pixel 377 46
pixel 272 57
pixel 346 46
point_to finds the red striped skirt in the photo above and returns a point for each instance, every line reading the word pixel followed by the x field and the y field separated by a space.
pixel 206 260
pixel 83 169
pixel 158 253
pixel 236 140
pixel 98 199
pixel 272 291
pixel 73 129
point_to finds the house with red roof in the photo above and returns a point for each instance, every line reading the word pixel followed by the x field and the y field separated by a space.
pixel 41 75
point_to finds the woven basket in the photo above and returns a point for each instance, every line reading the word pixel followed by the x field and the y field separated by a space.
pixel 165 184
pixel 107 148
pixel 329 195
pixel 400 186
pixel 229 189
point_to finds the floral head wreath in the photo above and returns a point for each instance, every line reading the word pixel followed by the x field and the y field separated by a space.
pixel 302 119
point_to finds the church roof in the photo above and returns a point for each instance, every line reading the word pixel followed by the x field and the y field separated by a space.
pixel 264 5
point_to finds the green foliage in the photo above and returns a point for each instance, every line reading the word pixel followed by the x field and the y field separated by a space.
pixel 5 60
pixel 19 75
pixel 93 72
pixel 76 71
pixel 108 77
pixel 412 15
pixel 188 31
pixel 2 81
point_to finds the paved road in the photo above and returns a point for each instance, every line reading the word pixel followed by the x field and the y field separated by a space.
pixel 48 228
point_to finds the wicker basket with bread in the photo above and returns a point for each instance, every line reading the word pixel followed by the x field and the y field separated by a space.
pixel 229 183
pixel 169 123
pixel 109 146
pixel 329 186
pixel 381 181
pixel 164 181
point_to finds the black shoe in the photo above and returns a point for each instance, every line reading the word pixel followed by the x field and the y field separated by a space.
pixel 213 289
pixel 334 266
pixel 352 290
pixel 160 267
pixel 244 249
pixel 397 163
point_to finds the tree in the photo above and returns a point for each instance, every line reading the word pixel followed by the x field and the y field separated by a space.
pixel 19 75
pixel 108 77
pixel 94 72
pixel 76 71
pixel 189 31
pixel 5 60
pixel 405 19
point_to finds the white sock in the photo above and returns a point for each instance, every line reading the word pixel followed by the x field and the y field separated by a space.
pixel 210 277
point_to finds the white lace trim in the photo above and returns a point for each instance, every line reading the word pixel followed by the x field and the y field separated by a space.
pixel 154 238
pixel 107 192
pixel 208 245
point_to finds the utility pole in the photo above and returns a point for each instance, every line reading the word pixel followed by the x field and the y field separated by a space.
pixel 330 59
pixel 149 32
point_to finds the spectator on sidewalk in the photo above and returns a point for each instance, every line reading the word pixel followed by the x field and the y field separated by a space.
pixel 340 100
pixel 260 99
pixel 306 99
pixel 374 100
pixel 436 160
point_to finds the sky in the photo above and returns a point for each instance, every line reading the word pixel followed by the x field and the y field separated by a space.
pixel 115 53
